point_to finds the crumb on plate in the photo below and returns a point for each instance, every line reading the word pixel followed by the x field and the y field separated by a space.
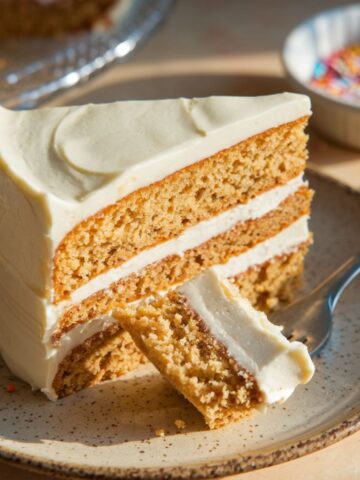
pixel 180 424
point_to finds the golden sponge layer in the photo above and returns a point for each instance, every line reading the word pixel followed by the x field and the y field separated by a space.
pixel 105 356
pixel 165 209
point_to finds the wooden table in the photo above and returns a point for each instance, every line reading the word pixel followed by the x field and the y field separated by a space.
pixel 228 47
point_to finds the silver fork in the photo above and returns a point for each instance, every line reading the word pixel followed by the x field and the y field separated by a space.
pixel 309 318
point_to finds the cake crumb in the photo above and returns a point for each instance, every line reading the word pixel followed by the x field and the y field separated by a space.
pixel 272 303
pixel 159 432
pixel 180 424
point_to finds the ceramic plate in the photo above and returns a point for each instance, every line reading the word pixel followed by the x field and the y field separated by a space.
pixel 107 431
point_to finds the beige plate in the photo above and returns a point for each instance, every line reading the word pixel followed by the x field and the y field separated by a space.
pixel 107 431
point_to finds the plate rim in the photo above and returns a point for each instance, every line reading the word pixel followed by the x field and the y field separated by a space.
pixel 232 466
pixel 286 451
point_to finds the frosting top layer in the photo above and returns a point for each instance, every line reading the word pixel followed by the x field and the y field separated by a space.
pixel 256 344
pixel 73 152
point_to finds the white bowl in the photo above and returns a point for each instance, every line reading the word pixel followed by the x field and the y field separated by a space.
pixel 316 38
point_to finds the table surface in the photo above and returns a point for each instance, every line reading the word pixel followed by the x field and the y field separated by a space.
pixel 230 47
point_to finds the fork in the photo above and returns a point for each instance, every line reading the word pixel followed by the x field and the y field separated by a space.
pixel 309 319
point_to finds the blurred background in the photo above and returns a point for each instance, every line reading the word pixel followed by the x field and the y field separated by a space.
pixel 232 47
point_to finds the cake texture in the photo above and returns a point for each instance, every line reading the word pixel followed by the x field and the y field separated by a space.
pixel 41 18
pixel 224 356
pixel 104 205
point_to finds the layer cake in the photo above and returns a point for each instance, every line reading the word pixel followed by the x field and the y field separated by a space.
pixel 103 205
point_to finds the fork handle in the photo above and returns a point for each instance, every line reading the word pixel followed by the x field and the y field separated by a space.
pixel 352 271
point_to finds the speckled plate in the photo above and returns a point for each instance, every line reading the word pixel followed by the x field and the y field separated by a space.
pixel 107 431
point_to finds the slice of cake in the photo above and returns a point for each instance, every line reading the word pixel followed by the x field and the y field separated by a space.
pixel 50 17
pixel 102 205
pixel 224 356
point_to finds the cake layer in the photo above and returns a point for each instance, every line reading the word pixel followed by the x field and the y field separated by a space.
pixel 192 195
pixel 106 355
pixel 275 280
pixel 224 356
pixel 174 269
pixel 266 284
pixel 88 158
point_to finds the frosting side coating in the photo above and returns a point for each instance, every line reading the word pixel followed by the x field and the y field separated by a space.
pixel 24 243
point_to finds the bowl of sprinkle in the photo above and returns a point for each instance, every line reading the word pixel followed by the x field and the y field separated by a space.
pixel 322 59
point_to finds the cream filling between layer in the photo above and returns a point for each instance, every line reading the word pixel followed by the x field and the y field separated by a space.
pixel 256 344
pixel 191 238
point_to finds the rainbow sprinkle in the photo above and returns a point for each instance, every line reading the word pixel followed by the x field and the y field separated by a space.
pixel 339 74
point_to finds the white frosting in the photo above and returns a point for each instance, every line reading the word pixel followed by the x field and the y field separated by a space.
pixel 256 344
pixel 66 163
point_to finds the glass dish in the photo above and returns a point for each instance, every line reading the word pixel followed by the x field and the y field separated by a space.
pixel 34 69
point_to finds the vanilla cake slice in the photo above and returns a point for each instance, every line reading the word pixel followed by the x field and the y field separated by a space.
pixel 103 205
pixel 224 356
